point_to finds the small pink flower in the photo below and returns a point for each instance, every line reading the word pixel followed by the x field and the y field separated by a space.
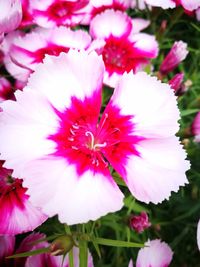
pixel 121 45
pixel 29 50
pixel 176 82
pixel 154 254
pixel 10 16
pixel 63 151
pixel 175 56
pixel 196 127
pixel 140 222
pixel 17 214
pixel 51 13
pixel 6 91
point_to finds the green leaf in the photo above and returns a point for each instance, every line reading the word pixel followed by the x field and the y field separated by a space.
pixel 29 253
pixel 188 112
pixel 83 253
pixel 116 243
pixel 71 258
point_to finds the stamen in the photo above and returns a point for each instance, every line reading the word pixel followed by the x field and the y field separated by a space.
pixel 92 138
pixel 74 147
pixel 75 126
pixel 71 139
pixel 100 145
pixel 72 132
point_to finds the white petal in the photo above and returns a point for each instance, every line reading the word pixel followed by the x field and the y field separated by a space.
pixel 73 74
pixel 57 189
pixel 151 103
pixel 159 170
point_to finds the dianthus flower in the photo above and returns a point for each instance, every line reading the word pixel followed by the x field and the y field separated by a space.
pixel 29 50
pixel 17 214
pixel 122 46
pixel 52 137
pixel 154 254
pixel 51 13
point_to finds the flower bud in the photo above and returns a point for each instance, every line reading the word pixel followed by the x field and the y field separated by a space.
pixel 177 54
pixel 140 222
pixel 61 245
pixel 176 82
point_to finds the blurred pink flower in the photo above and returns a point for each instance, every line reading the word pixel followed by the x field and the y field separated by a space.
pixel 51 13
pixel 140 222
pixel 155 254
pixel 122 46
pixel 7 245
pixel 189 5
pixel 17 213
pixel 60 148
pixel 176 55
pixel 196 127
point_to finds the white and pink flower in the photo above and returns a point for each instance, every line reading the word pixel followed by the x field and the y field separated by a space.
pixel 29 50
pixel 63 152
pixel 51 13
pixel 189 5
pixel 17 213
pixel 155 254
pixel 122 46
pixel 96 7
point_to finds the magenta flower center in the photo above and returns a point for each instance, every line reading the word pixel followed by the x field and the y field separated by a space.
pixel 60 10
pixel 120 55
pixel 90 145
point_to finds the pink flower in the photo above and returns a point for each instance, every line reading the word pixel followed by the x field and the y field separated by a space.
pixel 176 82
pixel 51 13
pixel 7 244
pixel 196 127
pixel 177 54
pixel 96 7
pixel 140 222
pixel 121 45
pixel 63 152
pixel 17 214
pixel 155 254
pixel 6 91
pixel 29 50
pixel 10 16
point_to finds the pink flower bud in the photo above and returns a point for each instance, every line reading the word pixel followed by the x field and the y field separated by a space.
pixel 177 54
pixel 140 222
pixel 196 127
pixel 176 82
